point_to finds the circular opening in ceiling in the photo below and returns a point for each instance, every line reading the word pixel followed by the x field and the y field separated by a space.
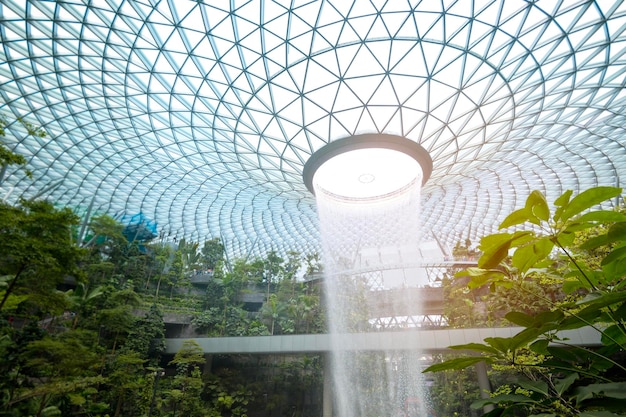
pixel 366 167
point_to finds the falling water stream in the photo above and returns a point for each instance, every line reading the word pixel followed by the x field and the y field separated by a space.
pixel 368 245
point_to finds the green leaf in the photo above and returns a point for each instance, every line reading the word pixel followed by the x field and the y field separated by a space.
pixel 517 217
pixel 454 364
pixel 587 280
pixel 595 242
pixel 577 226
pixel 563 200
pixel 600 413
pixel 528 256
pixel 563 354
pixel 602 299
pixel 566 238
pixel 472 272
pixel 546 318
pixel 617 232
pixel 496 247
pixel 537 204
pixel 614 270
pixel 488 277
pixel 525 337
pixel 614 334
pixel 609 389
pixel 476 347
pixel 540 387
pixel 571 285
pixel 521 319
pixel 582 318
pixel 588 199
pixel 502 344
pixel 51 411
pixel 540 347
pixel 561 203
pixel 603 216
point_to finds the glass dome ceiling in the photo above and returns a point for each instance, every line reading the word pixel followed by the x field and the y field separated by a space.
pixel 199 116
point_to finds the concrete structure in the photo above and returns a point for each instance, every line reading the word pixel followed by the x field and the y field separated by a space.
pixel 427 341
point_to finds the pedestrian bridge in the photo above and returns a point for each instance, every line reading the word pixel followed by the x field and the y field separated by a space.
pixel 427 341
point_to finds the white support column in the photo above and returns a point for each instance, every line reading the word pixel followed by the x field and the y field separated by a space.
pixel 484 384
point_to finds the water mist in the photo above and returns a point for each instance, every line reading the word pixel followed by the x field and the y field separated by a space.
pixel 367 189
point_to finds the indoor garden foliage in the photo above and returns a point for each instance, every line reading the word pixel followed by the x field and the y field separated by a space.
pixel 82 327
pixel 83 308
pixel 582 249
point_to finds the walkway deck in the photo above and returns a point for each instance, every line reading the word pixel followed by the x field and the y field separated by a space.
pixel 427 341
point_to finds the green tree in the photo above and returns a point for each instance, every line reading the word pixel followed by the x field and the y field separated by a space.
pixel 58 366
pixel 147 336
pixel 187 385
pixel 7 156
pixel 212 253
pixel 37 253
pixel 272 311
pixel 227 393
pixel 272 270
pixel 126 384
pixel 556 378
pixel 81 300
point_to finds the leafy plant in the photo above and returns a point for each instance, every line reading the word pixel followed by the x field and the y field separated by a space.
pixel 556 377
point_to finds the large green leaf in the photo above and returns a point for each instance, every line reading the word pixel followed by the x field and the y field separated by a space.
pixel 620 313
pixel 540 346
pixel 521 319
pixel 617 232
pixel 546 318
pixel 600 413
pixel 588 279
pixel 561 203
pixel 537 204
pixel 502 344
pixel 496 247
pixel 540 387
pixel 561 385
pixel 588 199
pixel 563 199
pixel 476 347
pixel 604 216
pixel 571 285
pixel 614 334
pixel 563 354
pixel 614 269
pixel 609 389
pixel 595 242
pixel 517 217
pixel 577 226
pixel 582 318
pixel 528 256
pixel 455 364
pixel 480 277
pixel 602 299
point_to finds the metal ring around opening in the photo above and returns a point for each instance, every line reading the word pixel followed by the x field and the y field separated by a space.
pixel 366 141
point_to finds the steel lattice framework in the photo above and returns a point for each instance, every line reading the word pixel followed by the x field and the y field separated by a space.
pixel 199 115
